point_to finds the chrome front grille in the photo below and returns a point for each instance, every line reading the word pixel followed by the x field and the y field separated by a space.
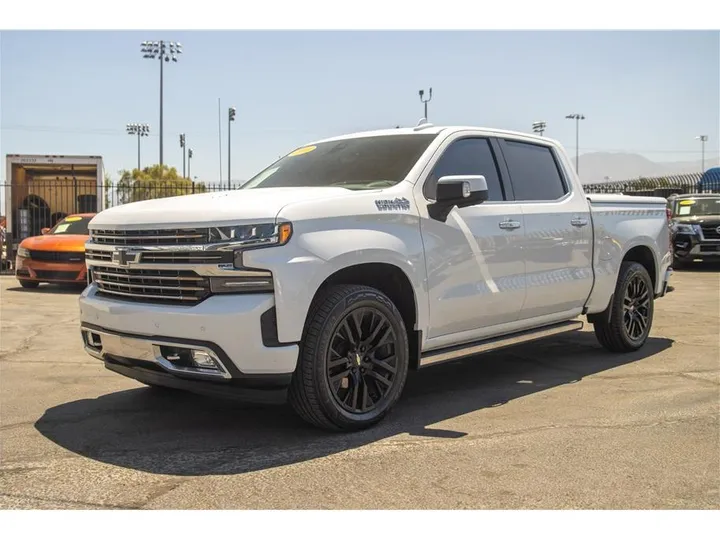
pixel 186 257
pixel 98 255
pixel 155 237
pixel 150 286
pixel 167 257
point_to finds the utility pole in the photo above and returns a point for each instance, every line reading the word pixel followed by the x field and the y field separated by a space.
pixel 539 127
pixel 577 117
pixel 231 118
pixel 703 139
pixel 182 145
pixel 164 51
pixel 425 101
pixel 141 130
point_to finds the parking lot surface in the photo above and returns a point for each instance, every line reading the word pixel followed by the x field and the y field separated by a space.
pixel 555 424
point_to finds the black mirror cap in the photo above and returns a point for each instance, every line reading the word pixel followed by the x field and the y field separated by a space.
pixel 452 193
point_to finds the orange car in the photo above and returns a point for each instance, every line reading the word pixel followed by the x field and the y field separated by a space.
pixel 58 256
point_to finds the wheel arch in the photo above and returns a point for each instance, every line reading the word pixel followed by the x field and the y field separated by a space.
pixel 392 281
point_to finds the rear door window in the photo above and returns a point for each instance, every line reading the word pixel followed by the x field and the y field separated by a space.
pixel 534 172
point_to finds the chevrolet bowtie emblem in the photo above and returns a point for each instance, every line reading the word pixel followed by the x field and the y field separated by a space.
pixel 123 257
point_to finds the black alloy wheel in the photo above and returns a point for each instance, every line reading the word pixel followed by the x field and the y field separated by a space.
pixel 361 360
pixel 354 359
pixel 625 324
pixel 636 306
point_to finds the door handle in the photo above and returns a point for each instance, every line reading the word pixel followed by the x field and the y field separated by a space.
pixel 578 222
pixel 509 224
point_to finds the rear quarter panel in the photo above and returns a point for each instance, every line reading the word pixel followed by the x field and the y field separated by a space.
pixel 621 223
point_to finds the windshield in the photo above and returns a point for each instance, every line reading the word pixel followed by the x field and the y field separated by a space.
pixel 72 225
pixel 706 206
pixel 358 163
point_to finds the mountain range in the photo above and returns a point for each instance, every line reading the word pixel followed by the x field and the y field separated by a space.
pixel 596 166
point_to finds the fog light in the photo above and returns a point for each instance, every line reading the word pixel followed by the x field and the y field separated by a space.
pixel 203 359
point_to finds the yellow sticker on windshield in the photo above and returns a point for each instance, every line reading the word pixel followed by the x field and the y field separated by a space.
pixel 301 151
pixel 72 218
pixel 687 202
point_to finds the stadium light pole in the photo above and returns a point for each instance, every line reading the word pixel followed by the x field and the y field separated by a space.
pixel 425 101
pixel 577 117
pixel 182 145
pixel 163 51
pixel 190 155
pixel 539 127
pixel 231 118
pixel 141 130
pixel 703 139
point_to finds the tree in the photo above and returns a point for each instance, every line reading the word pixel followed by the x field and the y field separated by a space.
pixel 107 188
pixel 154 182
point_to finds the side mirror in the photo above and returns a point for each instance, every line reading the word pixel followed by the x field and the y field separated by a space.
pixel 45 230
pixel 460 191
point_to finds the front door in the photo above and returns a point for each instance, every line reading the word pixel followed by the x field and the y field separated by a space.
pixel 474 262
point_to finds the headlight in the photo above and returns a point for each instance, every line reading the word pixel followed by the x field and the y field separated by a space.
pixel 259 234
pixel 23 252
pixel 686 228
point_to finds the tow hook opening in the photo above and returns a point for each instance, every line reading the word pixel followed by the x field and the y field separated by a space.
pixel 92 340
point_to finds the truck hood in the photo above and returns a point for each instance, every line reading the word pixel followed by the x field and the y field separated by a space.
pixel 212 209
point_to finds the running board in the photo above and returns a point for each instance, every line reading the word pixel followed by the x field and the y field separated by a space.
pixel 469 349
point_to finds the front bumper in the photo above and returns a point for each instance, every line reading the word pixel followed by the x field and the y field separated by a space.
pixel 227 327
pixel 688 247
pixel 50 272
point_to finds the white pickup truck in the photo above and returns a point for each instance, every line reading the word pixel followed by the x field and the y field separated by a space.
pixel 352 260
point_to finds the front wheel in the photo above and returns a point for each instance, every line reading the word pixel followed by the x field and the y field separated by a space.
pixel 625 325
pixel 29 284
pixel 353 361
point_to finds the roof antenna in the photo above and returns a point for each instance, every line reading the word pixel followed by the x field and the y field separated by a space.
pixel 422 122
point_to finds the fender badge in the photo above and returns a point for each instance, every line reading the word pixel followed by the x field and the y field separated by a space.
pixel 386 205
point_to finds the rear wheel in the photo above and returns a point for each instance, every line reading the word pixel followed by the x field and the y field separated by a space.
pixel 354 359
pixel 29 284
pixel 625 325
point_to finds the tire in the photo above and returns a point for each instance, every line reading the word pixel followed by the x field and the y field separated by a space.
pixel 336 388
pixel 29 284
pixel 611 329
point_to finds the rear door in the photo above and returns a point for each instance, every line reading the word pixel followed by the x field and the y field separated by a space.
pixel 557 244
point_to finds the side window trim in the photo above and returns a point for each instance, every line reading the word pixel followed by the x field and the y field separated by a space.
pixel 503 169
pixel 500 165
pixel 567 186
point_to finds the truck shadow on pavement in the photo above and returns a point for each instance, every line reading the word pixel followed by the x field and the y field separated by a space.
pixel 177 433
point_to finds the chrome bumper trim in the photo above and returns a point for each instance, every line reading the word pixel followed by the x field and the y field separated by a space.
pixel 148 350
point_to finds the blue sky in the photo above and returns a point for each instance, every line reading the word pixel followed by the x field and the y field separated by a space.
pixel 73 92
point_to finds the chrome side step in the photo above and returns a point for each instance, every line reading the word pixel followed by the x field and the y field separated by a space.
pixel 469 349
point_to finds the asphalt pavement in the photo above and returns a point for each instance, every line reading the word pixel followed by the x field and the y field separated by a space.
pixel 554 424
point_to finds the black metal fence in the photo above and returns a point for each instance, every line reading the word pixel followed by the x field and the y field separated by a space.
pixel 30 208
pixel 660 186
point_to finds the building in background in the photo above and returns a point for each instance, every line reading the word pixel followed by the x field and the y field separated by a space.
pixel 40 190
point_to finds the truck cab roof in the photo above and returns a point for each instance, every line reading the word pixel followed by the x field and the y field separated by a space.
pixel 430 129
